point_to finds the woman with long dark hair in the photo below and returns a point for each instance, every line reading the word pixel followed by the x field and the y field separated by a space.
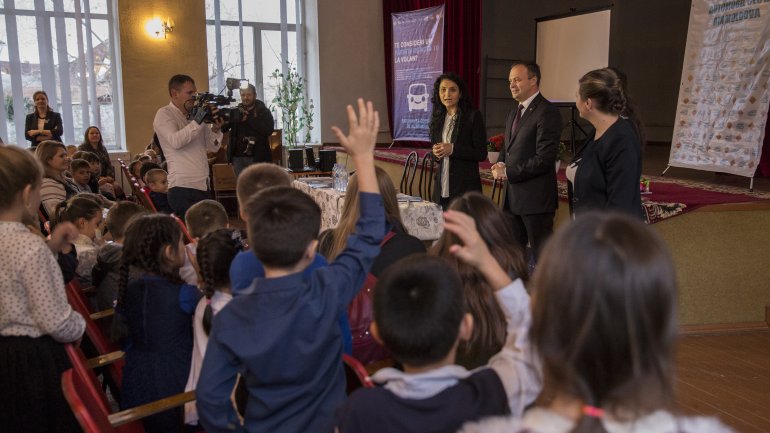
pixel 43 123
pixel 459 139
pixel 94 142
pixel 605 172
pixel 55 187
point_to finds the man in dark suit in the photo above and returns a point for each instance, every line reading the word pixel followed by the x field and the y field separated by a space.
pixel 528 161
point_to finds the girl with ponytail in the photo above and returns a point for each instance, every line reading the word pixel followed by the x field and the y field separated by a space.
pixel 605 172
pixel 604 324
pixel 157 308
pixel 214 255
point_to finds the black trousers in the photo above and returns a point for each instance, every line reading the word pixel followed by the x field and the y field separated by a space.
pixel 534 229
pixel 180 199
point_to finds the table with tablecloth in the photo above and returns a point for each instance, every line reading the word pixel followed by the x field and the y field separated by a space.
pixel 422 219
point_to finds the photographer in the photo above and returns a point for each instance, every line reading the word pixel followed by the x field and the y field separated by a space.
pixel 185 143
pixel 249 134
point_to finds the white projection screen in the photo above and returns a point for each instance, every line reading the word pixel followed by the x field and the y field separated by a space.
pixel 569 47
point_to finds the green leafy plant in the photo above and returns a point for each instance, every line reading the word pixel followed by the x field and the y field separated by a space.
pixel 562 151
pixel 296 112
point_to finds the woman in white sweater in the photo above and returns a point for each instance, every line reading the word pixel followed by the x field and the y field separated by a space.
pixel 604 323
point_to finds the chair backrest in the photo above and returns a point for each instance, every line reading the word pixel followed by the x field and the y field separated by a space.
pixel 498 192
pixel 144 198
pixel 103 346
pixel 356 374
pixel 410 169
pixel 223 177
pixel 91 383
pixel 85 405
pixel 425 182
pixel 182 225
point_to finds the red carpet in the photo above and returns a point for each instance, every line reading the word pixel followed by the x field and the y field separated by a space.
pixel 670 197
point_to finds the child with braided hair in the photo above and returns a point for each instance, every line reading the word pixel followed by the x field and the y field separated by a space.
pixel 214 255
pixel 157 306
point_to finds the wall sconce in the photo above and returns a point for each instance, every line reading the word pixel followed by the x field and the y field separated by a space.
pixel 158 28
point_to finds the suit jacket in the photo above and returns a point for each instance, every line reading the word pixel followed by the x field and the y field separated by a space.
pixel 469 139
pixel 530 158
pixel 608 172
pixel 258 124
pixel 53 123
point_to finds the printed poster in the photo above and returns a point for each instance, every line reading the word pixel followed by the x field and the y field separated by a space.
pixel 723 98
pixel 418 59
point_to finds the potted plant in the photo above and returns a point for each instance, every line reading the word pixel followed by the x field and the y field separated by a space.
pixel 296 113
pixel 560 154
pixel 494 144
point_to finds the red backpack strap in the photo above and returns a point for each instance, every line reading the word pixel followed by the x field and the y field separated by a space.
pixel 387 237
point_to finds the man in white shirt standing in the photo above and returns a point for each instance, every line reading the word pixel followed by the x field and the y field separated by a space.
pixel 185 143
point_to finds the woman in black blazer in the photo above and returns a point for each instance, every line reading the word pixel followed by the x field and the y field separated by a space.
pixel 43 123
pixel 459 136
pixel 605 173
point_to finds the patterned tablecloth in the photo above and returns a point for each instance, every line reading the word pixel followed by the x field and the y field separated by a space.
pixel 423 220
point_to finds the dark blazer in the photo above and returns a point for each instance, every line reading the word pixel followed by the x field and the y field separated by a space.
pixel 469 139
pixel 258 124
pixel 530 158
pixel 608 172
pixel 53 123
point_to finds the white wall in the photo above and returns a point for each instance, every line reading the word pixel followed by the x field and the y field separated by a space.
pixel 351 59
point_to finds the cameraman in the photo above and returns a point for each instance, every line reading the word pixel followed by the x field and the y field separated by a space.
pixel 249 135
pixel 185 143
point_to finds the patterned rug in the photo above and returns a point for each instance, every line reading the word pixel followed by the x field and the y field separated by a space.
pixel 669 197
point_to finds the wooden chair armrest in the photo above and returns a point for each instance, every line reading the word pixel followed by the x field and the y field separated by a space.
pixel 102 314
pixel 102 360
pixel 145 410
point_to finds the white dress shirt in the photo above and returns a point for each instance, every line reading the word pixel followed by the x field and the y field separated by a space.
pixel 185 143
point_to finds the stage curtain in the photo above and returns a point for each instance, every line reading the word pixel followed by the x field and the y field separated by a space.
pixel 462 44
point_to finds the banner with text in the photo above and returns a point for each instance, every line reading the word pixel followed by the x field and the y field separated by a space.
pixel 723 98
pixel 418 59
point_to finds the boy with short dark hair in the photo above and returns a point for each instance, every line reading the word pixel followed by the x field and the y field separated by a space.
pixel 81 174
pixel 202 218
pixel 157 182
pixel 419 316
pixel 246 266
pixel 284 338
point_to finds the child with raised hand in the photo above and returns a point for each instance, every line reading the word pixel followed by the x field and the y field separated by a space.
pixel 420 316
pixel 215 252
pixel 489 321
pixel 284 338
pixel 157 307
pixel 35 318
pixel 604 322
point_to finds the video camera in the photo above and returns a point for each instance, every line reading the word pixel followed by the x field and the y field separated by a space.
pixel 203 104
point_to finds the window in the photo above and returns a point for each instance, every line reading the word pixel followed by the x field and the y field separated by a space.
pixel 249 39
pixel 65 48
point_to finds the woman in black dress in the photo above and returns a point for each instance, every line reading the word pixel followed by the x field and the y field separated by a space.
pixel 605 173
pixel 43 123
pixel 459 136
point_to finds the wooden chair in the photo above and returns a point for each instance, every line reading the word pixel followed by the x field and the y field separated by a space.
pixel 224 181
pixel 276 148
pixel 86 401
pixel 410 169
pixel 425 181
pixel 499 190
pixel 94 333
pixel 188 237
pixel 355 374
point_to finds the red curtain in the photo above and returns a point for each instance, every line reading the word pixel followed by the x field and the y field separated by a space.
pixel 462 43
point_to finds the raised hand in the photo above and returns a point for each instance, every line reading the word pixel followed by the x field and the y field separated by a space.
pixel 362 135
pixel 473 250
